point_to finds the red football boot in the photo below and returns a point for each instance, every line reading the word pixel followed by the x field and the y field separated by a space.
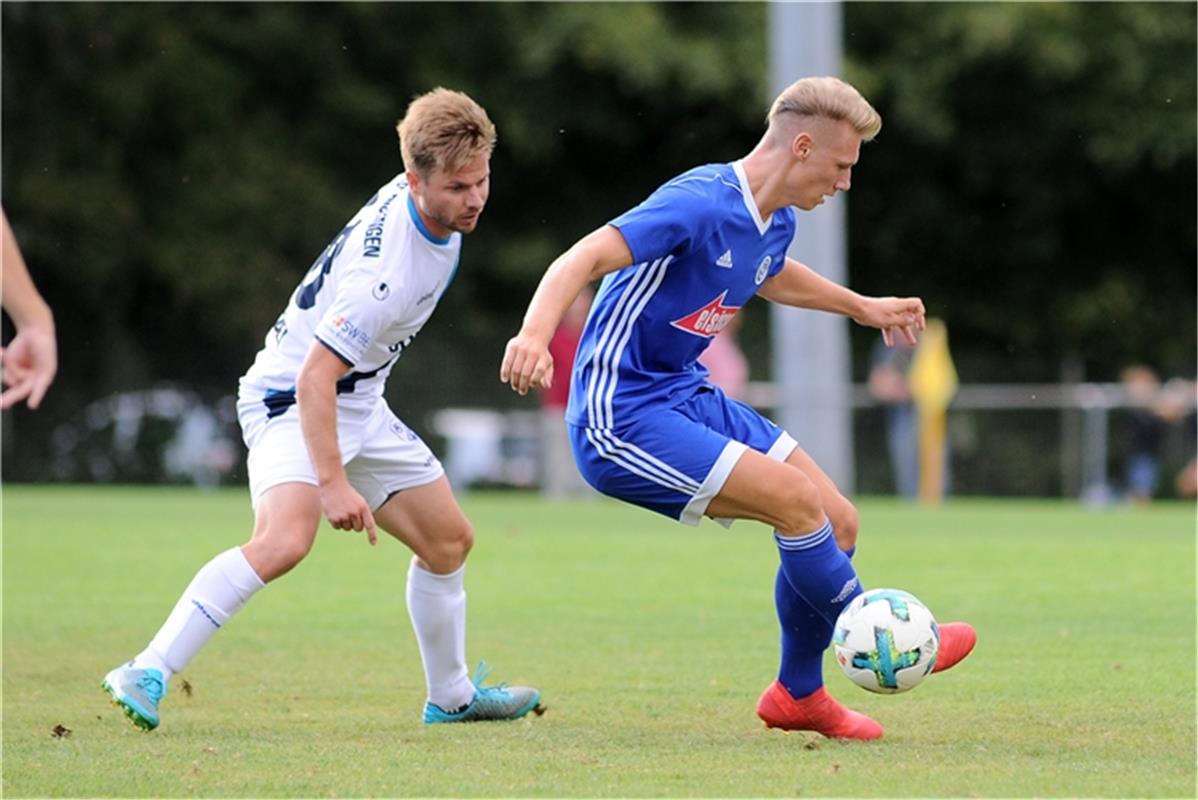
pixel 816 712
pixel 956 641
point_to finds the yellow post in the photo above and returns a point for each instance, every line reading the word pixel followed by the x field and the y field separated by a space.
pixel 933 381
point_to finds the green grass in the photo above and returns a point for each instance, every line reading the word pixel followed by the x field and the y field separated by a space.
pixel 650 642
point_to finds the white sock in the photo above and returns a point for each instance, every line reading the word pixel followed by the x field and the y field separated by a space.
pixel 216 593
pixel 437 606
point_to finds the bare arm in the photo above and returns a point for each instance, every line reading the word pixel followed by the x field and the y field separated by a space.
pixel 800 286
pixel 526 361
pixel 316 398
pixel 30 360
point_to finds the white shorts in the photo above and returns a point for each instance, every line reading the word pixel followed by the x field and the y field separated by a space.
pixel 381 455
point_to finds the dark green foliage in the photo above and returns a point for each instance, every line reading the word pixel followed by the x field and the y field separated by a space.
pixel 172 170
pixel 1035 181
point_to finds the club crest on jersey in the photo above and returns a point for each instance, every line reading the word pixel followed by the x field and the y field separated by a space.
pixel 400 430
pixel 763 269
pixel 708 320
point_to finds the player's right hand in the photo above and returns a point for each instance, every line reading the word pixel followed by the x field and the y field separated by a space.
pixel 894 316
pixel 347 510
pixel 526 363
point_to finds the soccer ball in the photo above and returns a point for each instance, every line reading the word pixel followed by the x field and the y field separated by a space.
pixel 886 641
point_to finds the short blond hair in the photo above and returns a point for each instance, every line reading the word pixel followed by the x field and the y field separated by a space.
pixel 444 130
pixel 829 98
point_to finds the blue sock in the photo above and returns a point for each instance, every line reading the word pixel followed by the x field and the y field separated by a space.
pixel 805 636
pixel 850 552
pixel 814 583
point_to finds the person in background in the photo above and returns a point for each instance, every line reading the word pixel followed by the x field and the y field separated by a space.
pixel 1186 482
pixel 1178 407
pixel 889 386
pixel 1145 432
pixel 559 476
pixel 30 360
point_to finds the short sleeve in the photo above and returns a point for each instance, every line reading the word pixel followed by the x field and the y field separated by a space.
pixel 359 313
pixel 672 220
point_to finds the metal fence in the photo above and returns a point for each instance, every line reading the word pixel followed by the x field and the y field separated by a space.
pixel 1036 440
pixel 1040 440
pixel 1085 445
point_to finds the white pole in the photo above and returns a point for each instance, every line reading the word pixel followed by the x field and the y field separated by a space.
pixel 811 350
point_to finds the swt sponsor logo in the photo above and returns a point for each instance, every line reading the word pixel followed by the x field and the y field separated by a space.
pixel 708 320
pixel 346 330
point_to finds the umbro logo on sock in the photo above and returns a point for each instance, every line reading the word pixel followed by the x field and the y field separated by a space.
pixel 204 611
pixel 725 260
pixel 846 590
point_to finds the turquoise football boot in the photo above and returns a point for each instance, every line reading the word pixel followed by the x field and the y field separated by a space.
pixel 137 692
pixel 490 702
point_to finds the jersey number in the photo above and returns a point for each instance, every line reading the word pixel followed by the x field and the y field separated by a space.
pixel 306 297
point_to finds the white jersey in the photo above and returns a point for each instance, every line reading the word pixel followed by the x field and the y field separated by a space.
pixel 365 299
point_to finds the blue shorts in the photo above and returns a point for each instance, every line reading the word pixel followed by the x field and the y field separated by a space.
pixel 674 461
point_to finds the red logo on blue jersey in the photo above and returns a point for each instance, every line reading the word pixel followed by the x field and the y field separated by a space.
pixel 708 320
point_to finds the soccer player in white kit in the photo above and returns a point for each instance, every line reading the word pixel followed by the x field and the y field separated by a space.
pixel 322 440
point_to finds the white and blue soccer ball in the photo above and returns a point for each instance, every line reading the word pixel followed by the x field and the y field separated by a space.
pixel 886 641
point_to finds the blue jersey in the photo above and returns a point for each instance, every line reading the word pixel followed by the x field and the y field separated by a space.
pixel 700 251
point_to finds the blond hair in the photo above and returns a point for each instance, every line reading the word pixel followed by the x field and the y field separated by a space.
pixel 444 130
pixel 829 98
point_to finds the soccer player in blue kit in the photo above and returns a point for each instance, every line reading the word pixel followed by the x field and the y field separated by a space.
pixel 647 427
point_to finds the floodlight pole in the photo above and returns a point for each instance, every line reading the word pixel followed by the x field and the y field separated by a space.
pixel 811 368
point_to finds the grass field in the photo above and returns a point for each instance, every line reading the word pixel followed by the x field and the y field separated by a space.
pixel 650 642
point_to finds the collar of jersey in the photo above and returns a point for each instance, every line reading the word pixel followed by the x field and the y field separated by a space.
pixel 746 194
pixel 420 226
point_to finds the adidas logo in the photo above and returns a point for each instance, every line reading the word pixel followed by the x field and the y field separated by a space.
pixel 725 260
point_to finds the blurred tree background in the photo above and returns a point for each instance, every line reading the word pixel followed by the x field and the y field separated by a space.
pixel 171 171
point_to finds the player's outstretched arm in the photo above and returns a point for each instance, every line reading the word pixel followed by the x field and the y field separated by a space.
pixel 316 396
pixel 31 359
pixel 526 360
pixel 800 286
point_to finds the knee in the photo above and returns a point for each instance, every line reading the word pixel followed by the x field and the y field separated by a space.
pixel 273 555
pixel 449 550
pixel 801 510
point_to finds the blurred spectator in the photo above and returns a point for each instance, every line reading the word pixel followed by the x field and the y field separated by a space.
pixel 888 385
pixel 1145 432
pixel 1187 479
pixel 726 365
pixel 30 360
pixel 1177 406
pixel 559 476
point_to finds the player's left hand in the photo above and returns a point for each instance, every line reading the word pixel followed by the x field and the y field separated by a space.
pixel 526 363
pixel 903 316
